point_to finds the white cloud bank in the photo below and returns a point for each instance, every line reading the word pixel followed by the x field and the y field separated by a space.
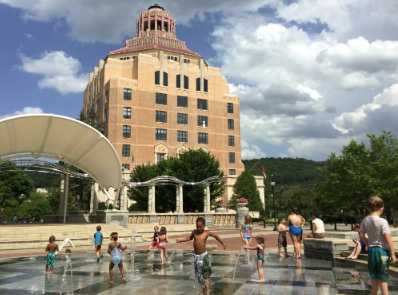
pixel 59 71
pixel 24 111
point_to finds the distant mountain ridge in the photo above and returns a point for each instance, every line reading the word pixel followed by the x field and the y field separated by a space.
pixel 286 171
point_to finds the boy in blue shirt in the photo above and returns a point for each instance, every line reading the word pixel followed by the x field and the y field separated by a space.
pixel 98 243
pixel 379 243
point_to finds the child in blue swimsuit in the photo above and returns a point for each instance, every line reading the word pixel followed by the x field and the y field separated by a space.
pixel 246 230
pixel 116 257
pixel 260 256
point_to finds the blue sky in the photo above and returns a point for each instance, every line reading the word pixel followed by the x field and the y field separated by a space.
pixel 311 74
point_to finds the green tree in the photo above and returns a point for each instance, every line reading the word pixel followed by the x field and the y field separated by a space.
pixel 190 166
pixel 92 119
pixel 246 187
pixel 36 207
pixel 301 197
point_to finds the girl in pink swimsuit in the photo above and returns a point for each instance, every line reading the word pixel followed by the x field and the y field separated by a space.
pixel 162 239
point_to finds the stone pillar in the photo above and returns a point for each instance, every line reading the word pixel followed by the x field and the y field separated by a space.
pixel 125 198
pixel 94 198
pixel 177 199
pixel 151 200
pixel 61 196
pixel 66 193
pixel 208 199
pixel 181 193
pixel 240 216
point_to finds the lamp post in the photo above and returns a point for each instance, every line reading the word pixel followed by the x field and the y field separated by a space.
pixel 273 199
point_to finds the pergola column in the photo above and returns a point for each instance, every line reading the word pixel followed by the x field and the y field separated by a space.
pixel 125 198
pixel 180 199
pixel 66 193
pixel 94 198
pixel 207 190
pixel 151 200
pixel 61 196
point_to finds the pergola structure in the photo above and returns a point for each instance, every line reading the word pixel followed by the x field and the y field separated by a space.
pixel 62 139
pixel 170 180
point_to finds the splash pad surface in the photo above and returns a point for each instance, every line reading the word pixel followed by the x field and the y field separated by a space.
pixel 233 273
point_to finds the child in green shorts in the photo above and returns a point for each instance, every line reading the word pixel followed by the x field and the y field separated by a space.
pixel 379 243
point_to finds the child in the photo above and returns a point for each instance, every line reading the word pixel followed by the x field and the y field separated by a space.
pixel 260 256
pixel 161 240
pixel 51 250
pixel 246 230
pixel 116 258
pixel 98 243
pixel 154 243
pixel 379 243
pixel 359 245
pixel 282 242
pixel 201 258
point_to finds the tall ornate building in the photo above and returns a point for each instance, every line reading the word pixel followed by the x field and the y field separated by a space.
pixel 158 98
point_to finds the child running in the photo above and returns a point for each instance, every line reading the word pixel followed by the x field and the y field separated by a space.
pixel 98 243
pixel 282 242
pixel 154 243
pixel 246 230
pixel 379 243
pixel 116 257
pixel 51 250
pixel 201 257
pixel 161 240
pixel 260 256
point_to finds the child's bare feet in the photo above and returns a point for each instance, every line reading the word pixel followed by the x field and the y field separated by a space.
pixel 110 282
pixel 124 280
pixel 260 281
pixel 281 255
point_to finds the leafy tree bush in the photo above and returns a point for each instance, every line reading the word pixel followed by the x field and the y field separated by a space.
pixel 246 187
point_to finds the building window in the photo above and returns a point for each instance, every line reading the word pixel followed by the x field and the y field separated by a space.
pixel 231 124
pixel 127 94
pixel 230 108
pixel 106 115
pixel 231 140
pixel 203 121
pixel 161 116
pixel 182 136
pixel 231 157
pixel 165 79
pixel 126 150
pixel 182 118
pixel 205 85
pixel 157 78
pixel 126 131
pixel 106 96
pixel 197 84
pixel 187 61
pixel 178 81
pixel 161 134
pixel 182 101
pixel 160 157
pixel 172 57
pixel 126 166
pixel 202 138
pixel 98 105
pixel 161 98
pixel 202 104
pixel 126 113
pixel 232 172
pixel 186 82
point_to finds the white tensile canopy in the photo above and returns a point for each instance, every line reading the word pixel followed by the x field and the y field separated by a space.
pixel 63 139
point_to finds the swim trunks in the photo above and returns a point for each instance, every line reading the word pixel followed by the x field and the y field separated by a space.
pixel 202 266
pixel 50 259
pixel 378 263
pixel 282 242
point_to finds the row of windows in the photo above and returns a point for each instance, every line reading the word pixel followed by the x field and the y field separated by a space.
pixel 182 101
pixel 182 118
pixel 126 153
pixel 182 136
pixel 182 81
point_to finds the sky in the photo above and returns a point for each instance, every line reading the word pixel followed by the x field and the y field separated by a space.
pixel 311 75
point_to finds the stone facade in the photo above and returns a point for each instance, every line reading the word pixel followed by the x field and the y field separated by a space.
pixel 158 98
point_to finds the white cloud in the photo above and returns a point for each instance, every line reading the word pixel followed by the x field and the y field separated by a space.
pixel 24 111
pixel 59 71
pixel 251 151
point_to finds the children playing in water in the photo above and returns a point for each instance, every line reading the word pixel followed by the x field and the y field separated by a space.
pixel 246 230
pixel 116 258
pixel 51 250
pixel 260 256
pixel 201 257
pixel 154 243
pixel 161 240
pixel 282 242
pixel 98 243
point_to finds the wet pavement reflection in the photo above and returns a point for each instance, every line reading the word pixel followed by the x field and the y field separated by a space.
pixel 79 273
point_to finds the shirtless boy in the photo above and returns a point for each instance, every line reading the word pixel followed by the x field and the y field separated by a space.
pixel 51 250
pixel 201 257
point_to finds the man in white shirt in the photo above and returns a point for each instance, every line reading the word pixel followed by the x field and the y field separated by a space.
pixel 318 227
